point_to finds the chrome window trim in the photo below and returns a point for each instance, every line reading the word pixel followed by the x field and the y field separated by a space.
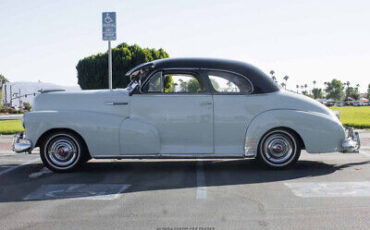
pixel 206 92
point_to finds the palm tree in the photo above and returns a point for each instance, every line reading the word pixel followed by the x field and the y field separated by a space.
pixel 348 83
pixel 283 85
pixel 273 76
pixel 286 77
pixel 297 86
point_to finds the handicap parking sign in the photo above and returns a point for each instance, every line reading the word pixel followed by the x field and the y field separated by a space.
pixel 109 26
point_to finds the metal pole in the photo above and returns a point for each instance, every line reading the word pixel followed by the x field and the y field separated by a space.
pixel 110 65
pixel 6 94
pixel 19 99
pixel 11 96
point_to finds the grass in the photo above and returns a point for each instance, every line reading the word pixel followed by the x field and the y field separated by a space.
pixel 11 126
pixel 358 117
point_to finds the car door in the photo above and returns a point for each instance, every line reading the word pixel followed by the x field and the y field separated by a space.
pixel 234 108
pixel 180 107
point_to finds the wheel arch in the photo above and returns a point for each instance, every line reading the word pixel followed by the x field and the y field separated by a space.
pixel 53 130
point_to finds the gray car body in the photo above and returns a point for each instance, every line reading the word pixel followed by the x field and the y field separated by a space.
pixel 114 124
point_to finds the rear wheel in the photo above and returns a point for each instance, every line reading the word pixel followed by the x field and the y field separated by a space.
pixel 63 151
pixel 279 148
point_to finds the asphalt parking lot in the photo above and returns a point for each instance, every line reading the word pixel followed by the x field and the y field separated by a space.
pixel 323 191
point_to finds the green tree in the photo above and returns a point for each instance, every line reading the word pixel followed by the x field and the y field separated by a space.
pixel 352 92
pixel 193 86
pixel 168 84
pixel 3 80
pixel 317 93
pixel 334 90
pixel 368 91
pixel 27 106
pixel 92 71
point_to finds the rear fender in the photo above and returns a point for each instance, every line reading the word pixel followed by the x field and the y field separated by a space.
pixel 319 132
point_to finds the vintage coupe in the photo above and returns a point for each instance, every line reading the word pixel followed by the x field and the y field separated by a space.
pixel 182 108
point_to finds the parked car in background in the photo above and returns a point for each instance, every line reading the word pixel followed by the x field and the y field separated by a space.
pixel 182 108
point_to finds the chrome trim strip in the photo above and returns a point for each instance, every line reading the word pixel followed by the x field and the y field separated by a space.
pixel 116 103
pixel 170 156
pixel 189 68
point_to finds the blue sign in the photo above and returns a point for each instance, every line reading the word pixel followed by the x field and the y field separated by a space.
pixel 109 26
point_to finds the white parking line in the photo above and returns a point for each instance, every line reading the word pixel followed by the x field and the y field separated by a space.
pixel 330 189
pixel 78 191
pixel 18 166
pixel 43 171
pixel 364 153
pixel 201 182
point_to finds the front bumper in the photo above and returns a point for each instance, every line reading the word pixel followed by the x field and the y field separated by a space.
pixel 21 144
pixel 352 142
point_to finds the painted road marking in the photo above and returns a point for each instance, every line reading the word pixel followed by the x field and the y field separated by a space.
pixel 201 182
pixel 330 189
pixel 78 191
pixel 43 171
pixel 18 166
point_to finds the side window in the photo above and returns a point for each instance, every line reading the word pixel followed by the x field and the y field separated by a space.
pixel 173 83
pixel 224 82
pixel 181 83
pixel 154 84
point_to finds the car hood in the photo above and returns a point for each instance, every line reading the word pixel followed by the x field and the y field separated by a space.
pixel 86 100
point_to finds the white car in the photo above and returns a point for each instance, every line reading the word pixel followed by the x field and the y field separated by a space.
pixel 182 108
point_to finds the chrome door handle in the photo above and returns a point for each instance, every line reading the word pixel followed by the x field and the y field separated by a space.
pixel 206 103
pixel 116 103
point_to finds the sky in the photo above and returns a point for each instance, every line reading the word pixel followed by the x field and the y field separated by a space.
pixel 306 40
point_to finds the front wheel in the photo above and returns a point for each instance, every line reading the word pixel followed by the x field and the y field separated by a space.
pixel 279 149
pixel 62 151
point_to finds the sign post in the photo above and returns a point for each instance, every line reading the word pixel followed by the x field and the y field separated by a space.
pixel 109 34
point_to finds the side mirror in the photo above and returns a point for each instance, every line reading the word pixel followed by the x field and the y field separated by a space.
pixel 133 87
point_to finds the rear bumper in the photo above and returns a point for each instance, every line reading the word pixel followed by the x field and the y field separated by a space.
pixel 352 142
pixel 21 144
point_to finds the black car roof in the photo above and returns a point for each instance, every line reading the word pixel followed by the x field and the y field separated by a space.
pixel 261 82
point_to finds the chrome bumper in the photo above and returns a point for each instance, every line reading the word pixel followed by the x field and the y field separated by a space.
pixel 21 144
pixel 352 142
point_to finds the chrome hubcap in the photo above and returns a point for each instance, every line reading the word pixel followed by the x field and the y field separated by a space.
pixel 62 151
pixel 278 148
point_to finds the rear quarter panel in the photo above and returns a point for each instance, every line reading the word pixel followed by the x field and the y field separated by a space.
pixel 319 132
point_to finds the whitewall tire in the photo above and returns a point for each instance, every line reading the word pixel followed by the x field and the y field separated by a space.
pixel 279 148
pixel 63 151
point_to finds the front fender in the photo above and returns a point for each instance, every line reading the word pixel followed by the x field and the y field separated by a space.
pixel 99 130
pixel 319 132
